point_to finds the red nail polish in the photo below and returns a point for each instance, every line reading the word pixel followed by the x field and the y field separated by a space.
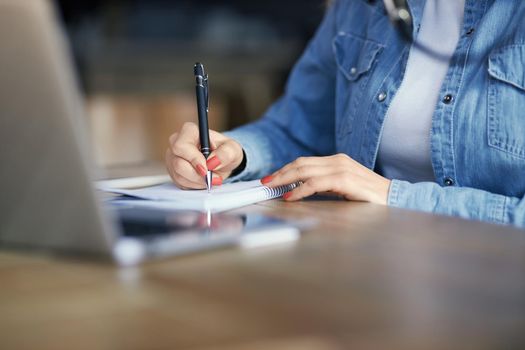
pixel 213 163
pixel 201 170
pixel 287 195
pixel 216 181
pixel 266 179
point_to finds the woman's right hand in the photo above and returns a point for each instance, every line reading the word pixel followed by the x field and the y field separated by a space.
pixel 187 165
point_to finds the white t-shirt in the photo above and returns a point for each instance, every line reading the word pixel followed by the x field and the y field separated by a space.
pixel 404 151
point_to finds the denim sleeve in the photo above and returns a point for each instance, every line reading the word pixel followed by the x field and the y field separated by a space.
pixel 468 203
pixel 301 122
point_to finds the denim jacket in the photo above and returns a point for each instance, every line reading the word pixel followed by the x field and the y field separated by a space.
pixel 339 91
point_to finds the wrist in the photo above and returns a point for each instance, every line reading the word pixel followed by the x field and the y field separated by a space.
pixel 240 168
pixel 381 192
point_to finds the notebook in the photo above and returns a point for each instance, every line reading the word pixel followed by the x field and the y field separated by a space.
pixel 221 198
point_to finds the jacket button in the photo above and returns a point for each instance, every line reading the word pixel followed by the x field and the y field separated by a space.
pixel 449 182
pixel 353 70
pixel 381 97
pixel 447 99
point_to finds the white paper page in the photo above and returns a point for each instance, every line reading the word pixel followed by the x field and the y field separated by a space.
pixel 170 192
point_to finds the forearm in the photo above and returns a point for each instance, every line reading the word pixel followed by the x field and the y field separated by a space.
pixel 468 203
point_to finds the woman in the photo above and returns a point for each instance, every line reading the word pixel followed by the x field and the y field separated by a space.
pixel 371 118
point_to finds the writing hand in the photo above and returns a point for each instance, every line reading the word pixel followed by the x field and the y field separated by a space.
pixel 186 164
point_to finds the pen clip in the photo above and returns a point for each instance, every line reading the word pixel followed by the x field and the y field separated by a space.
pixel 206 88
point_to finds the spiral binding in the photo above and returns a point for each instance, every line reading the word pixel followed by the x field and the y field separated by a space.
pixel 279 191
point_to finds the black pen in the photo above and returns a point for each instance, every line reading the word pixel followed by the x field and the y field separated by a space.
pixel 202 110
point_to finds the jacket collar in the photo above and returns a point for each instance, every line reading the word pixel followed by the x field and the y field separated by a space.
pixel 416 9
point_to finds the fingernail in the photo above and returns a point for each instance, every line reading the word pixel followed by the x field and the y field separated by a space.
pixel 266 179
pixel 201 170
pixel 212 163
pixel 287 195
pixel 216 181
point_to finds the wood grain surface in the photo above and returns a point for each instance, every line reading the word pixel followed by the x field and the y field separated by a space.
pixel 364 277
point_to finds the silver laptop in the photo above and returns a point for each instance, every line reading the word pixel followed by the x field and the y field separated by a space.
pixel 47 201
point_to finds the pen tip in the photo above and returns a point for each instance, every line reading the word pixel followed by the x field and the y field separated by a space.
pixel 208 181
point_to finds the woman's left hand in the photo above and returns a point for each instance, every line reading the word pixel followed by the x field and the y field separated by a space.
pixel 339 174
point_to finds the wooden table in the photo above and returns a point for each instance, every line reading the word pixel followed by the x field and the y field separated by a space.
pixel 366 277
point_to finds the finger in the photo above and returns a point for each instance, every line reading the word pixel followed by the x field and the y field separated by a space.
pixel 184 184
pixel 216 180
pixel 173 138
pixel 179 167
pixel 176 178
pixel 170 160
pixel 167 161
pixel 226 157
pixel 216 138
pixel 186 170
pixel 189 133
pixel 184 174
pixel 300 162
pixel 331 183
pixel 304 161
pixel 192 155
pixel 300 173
pixel 185 144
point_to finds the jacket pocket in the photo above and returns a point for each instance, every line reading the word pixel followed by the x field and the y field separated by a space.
pixel 355 56
pixel 506 100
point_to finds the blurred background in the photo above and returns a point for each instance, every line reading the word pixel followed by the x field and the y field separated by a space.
pixel 135 62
